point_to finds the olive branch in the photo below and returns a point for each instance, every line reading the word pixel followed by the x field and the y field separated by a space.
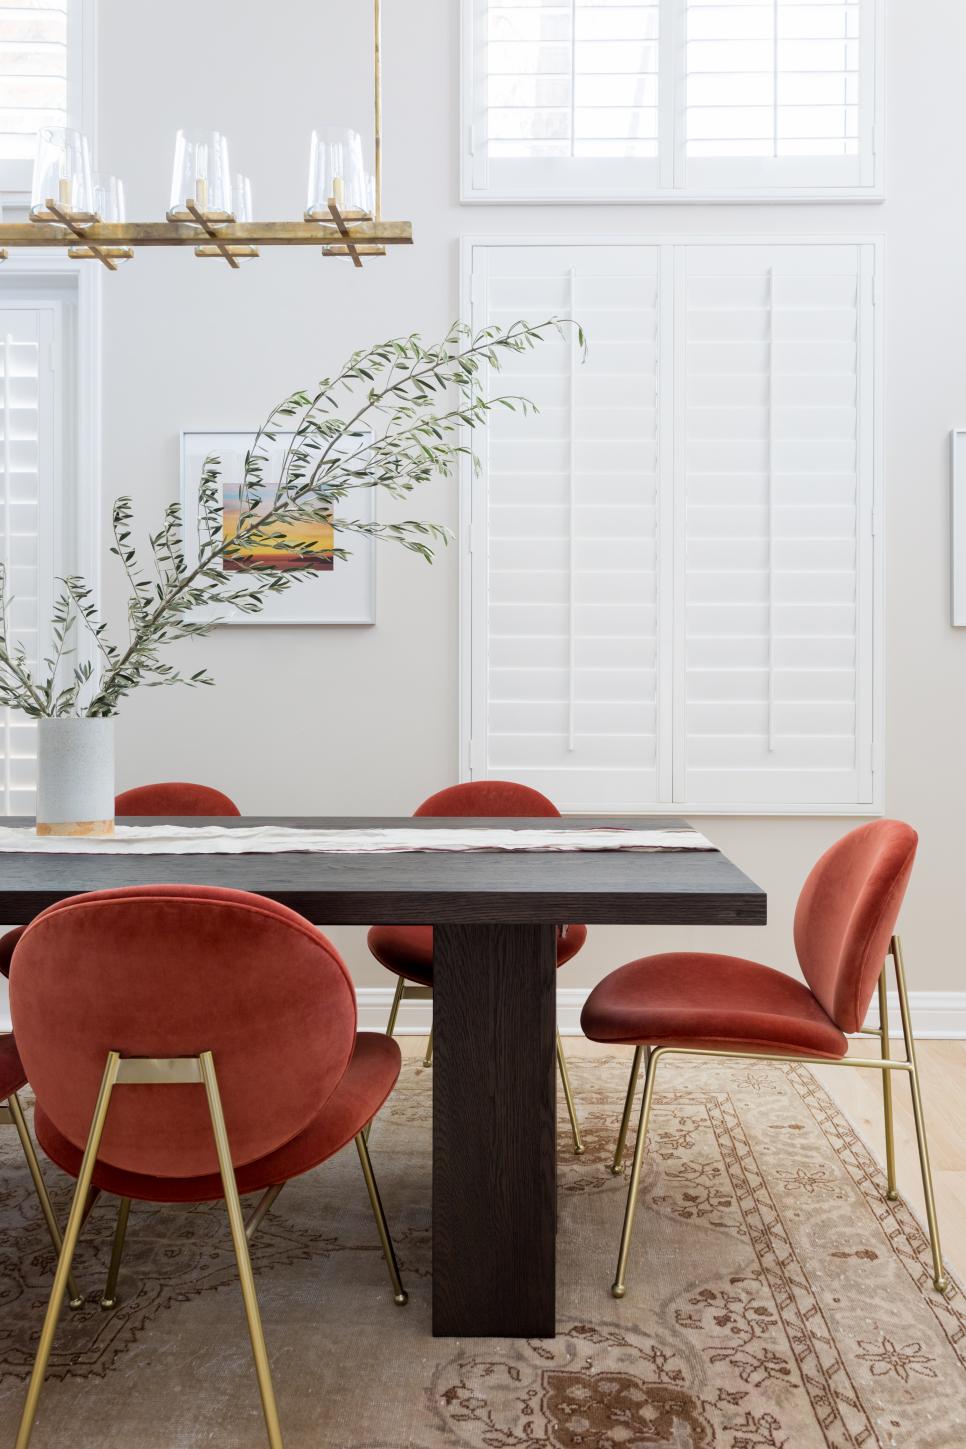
pixel 395 416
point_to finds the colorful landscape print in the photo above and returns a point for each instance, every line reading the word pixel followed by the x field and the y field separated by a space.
pixel 321 535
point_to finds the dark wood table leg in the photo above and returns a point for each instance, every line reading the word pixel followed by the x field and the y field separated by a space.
pixel 494 1130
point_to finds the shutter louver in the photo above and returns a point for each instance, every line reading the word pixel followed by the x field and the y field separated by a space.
pixel 33 73
pixel 565 579
pixel 26 456
pixel 773 657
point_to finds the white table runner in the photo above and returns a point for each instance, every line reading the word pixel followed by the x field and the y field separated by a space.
pixel 274 839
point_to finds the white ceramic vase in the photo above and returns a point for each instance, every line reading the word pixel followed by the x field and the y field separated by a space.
pixel 75 776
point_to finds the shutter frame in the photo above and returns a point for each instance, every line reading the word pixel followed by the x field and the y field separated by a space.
pixel 671 176
pixel 671 792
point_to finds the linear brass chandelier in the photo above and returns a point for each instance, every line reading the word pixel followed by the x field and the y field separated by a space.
pixel 211 209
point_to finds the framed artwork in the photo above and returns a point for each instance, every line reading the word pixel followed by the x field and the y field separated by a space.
pixel 344 592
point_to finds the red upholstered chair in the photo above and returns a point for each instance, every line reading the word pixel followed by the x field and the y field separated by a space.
pixel 407 951
pixel 190 1044
pixel 12 1078
pixel 172 797
pixel 699 1004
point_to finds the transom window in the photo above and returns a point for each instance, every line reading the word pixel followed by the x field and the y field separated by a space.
pixel 617 100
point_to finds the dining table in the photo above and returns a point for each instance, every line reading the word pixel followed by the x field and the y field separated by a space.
pixel 496 914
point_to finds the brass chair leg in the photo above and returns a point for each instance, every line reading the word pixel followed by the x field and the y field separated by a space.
pixel 236 1222
pixel 391 1026
pixel 109 1299
pixel 618 1163
pixel 75 1298
pixel 261 1209
pixel 890 1141
pixel 619 1287
pixel 569 1098
pixel 428 1058
pixel 74 1223
pixel 399 1293
pixel 939 1276
pixel 394 1009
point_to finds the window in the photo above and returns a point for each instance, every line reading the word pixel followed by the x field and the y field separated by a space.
pixel 670 571
pixel 30 335
pixel 42 45
pixel 49 350
pixel 592 100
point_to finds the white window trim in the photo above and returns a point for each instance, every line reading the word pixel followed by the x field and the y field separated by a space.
pixel 15 176
pixel 472 532
pixel 666 193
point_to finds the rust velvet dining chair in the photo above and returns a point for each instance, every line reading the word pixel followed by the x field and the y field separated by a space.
pixel 407 951
pixel 697 1004
pixel 190 1044
pixel 168 797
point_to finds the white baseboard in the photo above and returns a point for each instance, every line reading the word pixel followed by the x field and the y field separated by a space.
pixel 936 1015
pixel 939 1015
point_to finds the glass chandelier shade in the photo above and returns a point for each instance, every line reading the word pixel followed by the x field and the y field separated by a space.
pixel 108 194
pixel 62 173
pixel 337 170
pixel 201 175
pixel 241 197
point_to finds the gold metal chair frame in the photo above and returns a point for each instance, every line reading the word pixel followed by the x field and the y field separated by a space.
pixel 11 1113
pixel 165 1071
pixel 407 992
pixel 884 1064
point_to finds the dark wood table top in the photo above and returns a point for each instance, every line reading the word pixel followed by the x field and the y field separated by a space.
pixel 597 887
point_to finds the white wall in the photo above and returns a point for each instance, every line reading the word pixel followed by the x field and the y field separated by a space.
pixel 365 720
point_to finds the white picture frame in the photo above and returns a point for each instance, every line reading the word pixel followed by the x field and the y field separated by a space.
pixel 346 595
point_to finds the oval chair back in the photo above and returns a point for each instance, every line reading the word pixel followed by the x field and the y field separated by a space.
pixel 482 799
pixel 175 971
pixel 846 916
pixel 173 797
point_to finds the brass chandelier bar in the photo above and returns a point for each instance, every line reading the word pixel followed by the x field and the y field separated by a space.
pixel 342 233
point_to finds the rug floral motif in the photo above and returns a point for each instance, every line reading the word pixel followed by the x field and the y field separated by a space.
pixel 775 1299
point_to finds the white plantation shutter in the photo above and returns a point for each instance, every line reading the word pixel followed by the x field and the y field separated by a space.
pixel 773 654
pixel 671 575
pixel 564 532
pixel 631 99
pixel 775 95
pixel 28 336
pixel 566 95
pixel 33 73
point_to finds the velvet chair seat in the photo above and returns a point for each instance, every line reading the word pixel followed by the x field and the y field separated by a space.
pixel 695 999
pixel 370 1077
pixel 408 950
pixel 12 1074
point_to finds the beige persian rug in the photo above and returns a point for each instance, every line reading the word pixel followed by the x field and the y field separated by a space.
pixel 775 1299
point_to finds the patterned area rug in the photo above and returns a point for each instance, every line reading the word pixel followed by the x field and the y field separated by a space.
pixel 775 1299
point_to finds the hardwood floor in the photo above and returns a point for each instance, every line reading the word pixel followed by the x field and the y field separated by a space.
pixel 858 1093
